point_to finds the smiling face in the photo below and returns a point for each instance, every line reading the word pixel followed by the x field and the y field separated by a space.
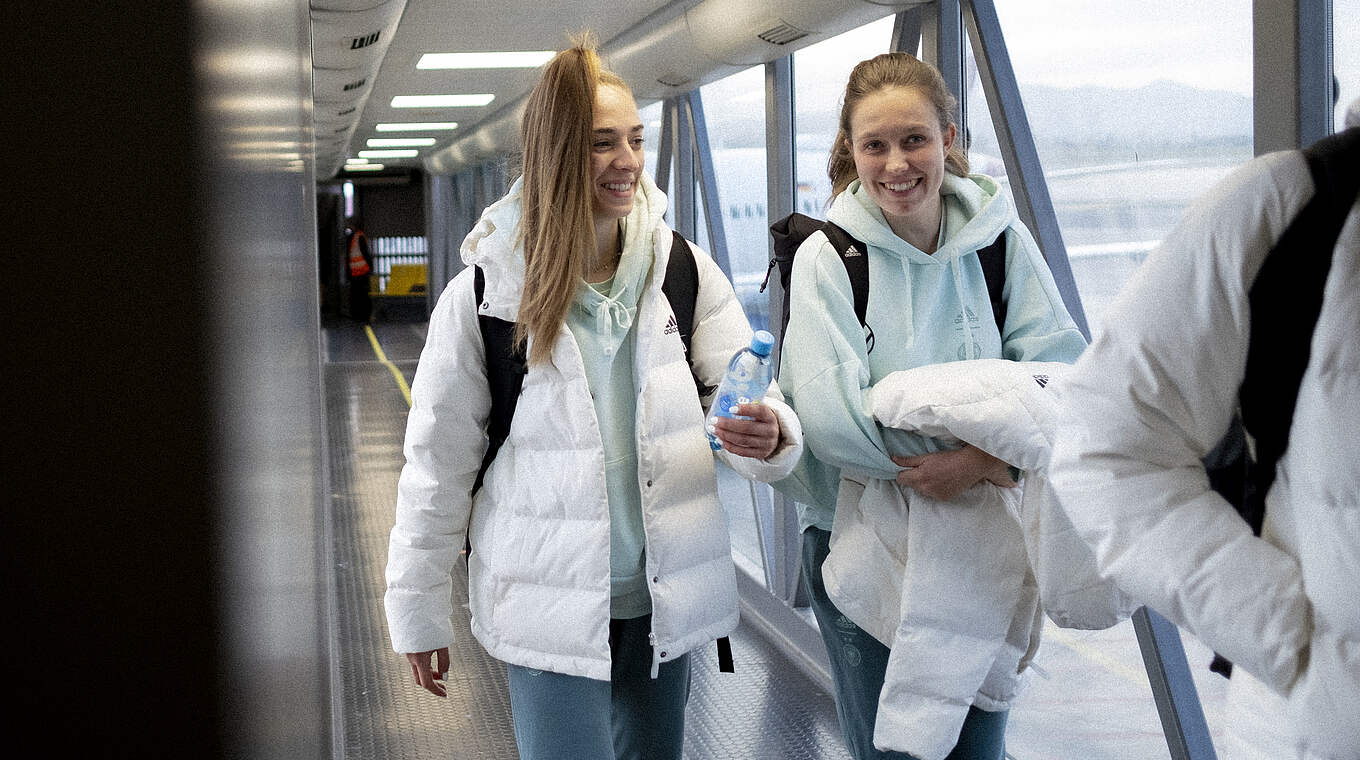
pixel 899 147
pixel 615 153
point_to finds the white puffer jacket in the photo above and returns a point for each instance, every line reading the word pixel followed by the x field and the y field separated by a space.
pixel 1152 396
pixel 538 575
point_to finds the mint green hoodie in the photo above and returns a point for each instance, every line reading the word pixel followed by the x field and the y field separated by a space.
pixel 601 320
pixel 923 309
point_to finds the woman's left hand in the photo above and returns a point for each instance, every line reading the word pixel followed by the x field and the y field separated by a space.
pixel 944 475
pixel 756 438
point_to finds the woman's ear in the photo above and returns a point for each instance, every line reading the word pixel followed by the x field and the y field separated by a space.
pixel 949 135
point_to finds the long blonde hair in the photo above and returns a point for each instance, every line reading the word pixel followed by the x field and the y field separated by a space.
pixel 879 73
pixel 557 225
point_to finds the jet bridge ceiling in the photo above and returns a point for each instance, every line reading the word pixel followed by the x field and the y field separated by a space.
pixel 365 53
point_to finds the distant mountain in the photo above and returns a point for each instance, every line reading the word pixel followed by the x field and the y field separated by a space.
pixel 1163 111
pixel 1153 119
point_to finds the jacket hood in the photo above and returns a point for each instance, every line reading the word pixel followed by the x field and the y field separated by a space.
pixel 496 244
pixel 614 312
pixel 975 209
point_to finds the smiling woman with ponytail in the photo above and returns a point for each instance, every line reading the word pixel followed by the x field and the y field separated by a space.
pixel 901 186
pixel 600 556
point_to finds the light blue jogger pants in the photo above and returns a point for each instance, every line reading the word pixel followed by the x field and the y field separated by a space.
pixel 858 664
pixel 630 717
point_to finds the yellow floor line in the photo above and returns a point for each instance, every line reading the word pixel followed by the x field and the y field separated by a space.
pixel 382 357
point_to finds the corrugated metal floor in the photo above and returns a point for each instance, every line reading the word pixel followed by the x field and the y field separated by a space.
pixel 767 709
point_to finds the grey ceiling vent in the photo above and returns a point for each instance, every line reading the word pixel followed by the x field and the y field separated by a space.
pixel 782 34
pixel 673 80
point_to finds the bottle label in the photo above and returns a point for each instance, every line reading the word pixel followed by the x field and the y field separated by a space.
pixel 746 381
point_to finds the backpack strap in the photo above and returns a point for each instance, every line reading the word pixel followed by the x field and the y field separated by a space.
pixel 788 234
pixel 1294 273
pixel 854 256
pixel 506 366
pixel 1280 343
pixel 681 287
pixel 993 259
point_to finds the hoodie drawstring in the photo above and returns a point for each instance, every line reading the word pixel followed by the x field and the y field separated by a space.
pixel 612 318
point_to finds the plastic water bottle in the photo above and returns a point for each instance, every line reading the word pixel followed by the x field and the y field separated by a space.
pixel 748 376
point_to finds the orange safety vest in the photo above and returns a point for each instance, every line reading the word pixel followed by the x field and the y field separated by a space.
pixel 358 265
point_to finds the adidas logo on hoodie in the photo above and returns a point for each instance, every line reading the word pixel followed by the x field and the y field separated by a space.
pixel 1042 380
pixel 671 327
pixel 852 251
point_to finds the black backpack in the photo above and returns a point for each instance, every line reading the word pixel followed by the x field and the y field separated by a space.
pixel 790 232
pixel 506 365
pixel 1294 272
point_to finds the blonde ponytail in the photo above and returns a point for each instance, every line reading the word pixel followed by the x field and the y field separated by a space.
pixel 557 225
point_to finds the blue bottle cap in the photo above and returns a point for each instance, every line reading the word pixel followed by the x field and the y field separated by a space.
pixel 761 343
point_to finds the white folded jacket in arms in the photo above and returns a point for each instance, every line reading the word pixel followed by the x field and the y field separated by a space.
pixel 954 588
pixel 1006 408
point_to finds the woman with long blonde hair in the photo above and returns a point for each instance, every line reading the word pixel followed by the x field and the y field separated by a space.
pixel 600 555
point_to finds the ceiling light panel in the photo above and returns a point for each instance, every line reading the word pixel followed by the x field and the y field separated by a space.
pixel 400 142
pixel 401 153
pixel 441 101
pixel 526 59
pixel 417 126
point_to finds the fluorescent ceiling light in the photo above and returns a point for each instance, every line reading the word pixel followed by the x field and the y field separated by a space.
pixel 526 59
pixel 417 126
pixel 441 101
pixel 400 142
pixel 363 167
pixel 389 153
pixel 356 160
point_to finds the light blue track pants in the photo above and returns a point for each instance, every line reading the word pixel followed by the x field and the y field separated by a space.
pixel 858 663
pixel 630 717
